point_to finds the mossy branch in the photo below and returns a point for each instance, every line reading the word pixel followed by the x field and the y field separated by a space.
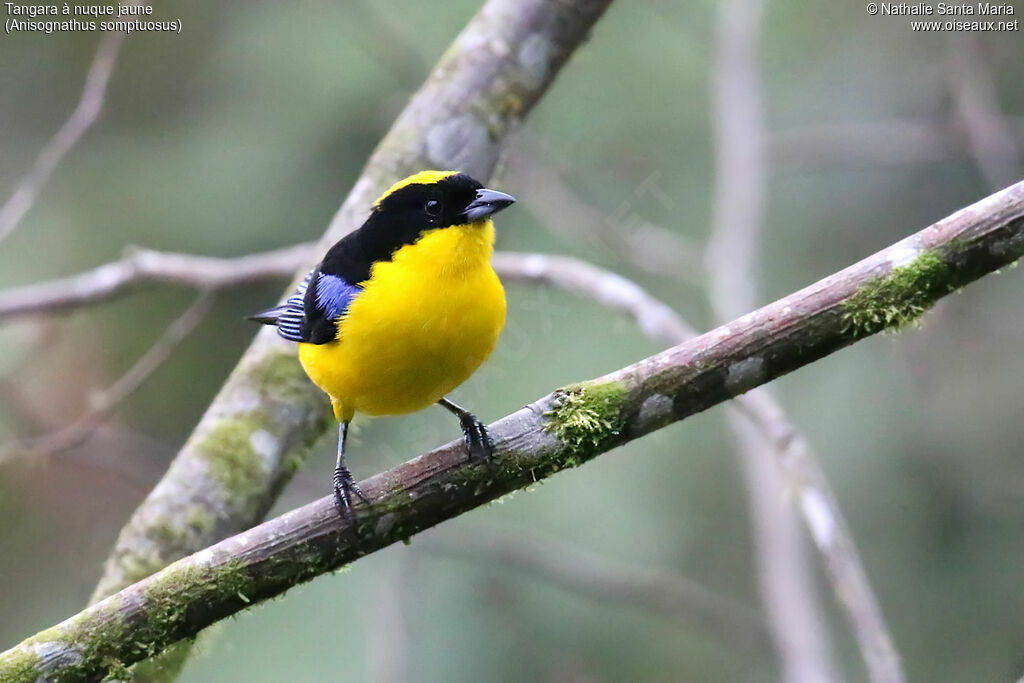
pixel 267 415
pixel 561 430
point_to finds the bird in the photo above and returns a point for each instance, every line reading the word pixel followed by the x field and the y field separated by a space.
pixel 402 310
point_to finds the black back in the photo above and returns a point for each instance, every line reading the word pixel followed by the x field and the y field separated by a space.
pixel 311 314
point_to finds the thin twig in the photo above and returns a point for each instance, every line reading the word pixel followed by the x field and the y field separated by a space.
pixel 832 536
pixel 104 403
pixel 739 141
pixel 563 429
pixel 142 267
pixel 82 118
pixel 584 279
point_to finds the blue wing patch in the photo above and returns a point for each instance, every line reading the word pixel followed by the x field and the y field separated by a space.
pixel 334 294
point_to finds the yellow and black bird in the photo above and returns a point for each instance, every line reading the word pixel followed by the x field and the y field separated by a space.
pixel 402 310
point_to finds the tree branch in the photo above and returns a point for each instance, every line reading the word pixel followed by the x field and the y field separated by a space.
pixel 561 430
pixel 140 268
pixel 267 414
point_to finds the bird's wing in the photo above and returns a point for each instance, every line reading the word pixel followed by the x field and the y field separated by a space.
pixel 311 314
pixel 326 299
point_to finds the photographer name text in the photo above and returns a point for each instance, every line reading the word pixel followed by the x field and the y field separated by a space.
pixel 923 9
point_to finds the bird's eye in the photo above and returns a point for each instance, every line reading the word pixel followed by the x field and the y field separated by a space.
pixel 432 207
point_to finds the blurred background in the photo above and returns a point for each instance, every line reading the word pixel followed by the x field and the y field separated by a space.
pixel 244 133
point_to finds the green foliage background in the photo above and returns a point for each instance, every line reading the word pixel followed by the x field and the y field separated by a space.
pixel 244 133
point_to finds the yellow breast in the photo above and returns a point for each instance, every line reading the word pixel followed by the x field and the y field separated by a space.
pixel 423 323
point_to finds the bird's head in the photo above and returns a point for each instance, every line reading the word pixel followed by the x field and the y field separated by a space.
pixel 440 199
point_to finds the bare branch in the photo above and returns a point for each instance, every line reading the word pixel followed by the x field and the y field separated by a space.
pixel 561 430
pixel 81 119
pixel 142 267
pixel 104 403
pixel 739 137
pixel 830 532
pixel 654 318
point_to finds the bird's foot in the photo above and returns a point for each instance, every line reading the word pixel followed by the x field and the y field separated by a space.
pixel 478 441
pixel 344 487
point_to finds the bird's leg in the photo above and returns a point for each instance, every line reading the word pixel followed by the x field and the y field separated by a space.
pixel 478 443
pixel 344 484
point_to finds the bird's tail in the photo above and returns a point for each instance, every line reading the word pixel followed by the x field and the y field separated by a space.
pixel 271 316
pixel 287 317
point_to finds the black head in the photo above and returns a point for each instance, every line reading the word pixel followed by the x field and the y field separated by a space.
pixel 435 199
pixel 425 201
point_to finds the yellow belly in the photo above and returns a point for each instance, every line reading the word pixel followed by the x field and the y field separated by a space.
pixel 423 323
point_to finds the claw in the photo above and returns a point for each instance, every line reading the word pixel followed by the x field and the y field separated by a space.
pixel 478 442
pixel 344 487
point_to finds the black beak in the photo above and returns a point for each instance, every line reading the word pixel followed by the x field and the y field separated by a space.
pixel 485 203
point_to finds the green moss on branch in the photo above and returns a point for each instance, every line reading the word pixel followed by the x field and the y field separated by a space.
pixel 585 417
pixel 21 667
pixel 901 297
pixel 231 457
